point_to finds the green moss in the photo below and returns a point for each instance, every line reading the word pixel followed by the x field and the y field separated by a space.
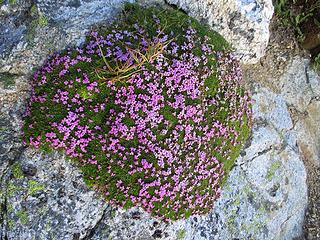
pixel 244 133
pixel 181 234
pixel 128 121
pixel 167 113
pixel 12 2
pixel 9 208
pixel 34 10
pixel 23 216
pixel 273 168
pixel 12 189
pixel 42 21
pixel 172 21
pixel 16 170
pixel 10 223
pixel 34 187
pixel 85 94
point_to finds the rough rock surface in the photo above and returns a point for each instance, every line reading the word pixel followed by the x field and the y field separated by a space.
pixel 244 23
pixel 44 197
pixel 286 70
pixel 302 93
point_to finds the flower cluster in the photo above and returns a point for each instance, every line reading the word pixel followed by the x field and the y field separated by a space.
pixel 158 132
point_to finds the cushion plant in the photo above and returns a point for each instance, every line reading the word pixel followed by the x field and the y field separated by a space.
pixel 152 109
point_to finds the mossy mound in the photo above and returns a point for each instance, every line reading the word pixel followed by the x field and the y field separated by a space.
pixel 151 108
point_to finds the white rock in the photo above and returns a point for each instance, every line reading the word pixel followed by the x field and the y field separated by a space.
pixel 272 108
pixel 244 23
pixel 300 87
pixel 296 87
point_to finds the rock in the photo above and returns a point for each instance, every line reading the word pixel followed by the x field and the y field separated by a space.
pixel 300 84
pixel 70 15
pixel 309 133
pixel 13 24
pixel 28 39
pixel 10 144
pixel 301 90
pixel 54 203
pixel 29 169
pixel 278 115
pixel 244 23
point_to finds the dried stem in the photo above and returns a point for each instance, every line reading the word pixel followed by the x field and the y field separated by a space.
pixel 124 70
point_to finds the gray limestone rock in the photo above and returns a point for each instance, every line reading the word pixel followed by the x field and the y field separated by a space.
pixel 301 90
pixel 53 204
